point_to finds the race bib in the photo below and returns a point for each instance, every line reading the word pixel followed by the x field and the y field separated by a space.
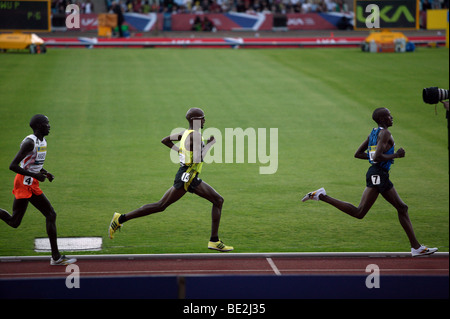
pixel 372 150
pixel 185 177
pixel 376 180
pixel 28 180
pixel 40 156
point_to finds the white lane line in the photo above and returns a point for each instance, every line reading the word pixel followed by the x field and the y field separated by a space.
pixel 274 267
pixel 223 256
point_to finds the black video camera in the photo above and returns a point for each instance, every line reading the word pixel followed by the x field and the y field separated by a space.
pixel 433 95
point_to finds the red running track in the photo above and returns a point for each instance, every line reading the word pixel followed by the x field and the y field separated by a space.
pixel 229 264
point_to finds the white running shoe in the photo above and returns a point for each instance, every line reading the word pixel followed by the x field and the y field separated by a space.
pixel 62 261
pixel 422 251
pixel 314 195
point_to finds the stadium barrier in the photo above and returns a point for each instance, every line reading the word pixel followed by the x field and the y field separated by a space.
pixel 229 287
pixel 230 21
pixel 228 42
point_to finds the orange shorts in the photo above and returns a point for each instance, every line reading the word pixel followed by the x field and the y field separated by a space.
pixel 25 187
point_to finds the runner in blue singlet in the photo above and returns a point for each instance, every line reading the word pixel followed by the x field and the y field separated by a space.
pixel 378 148
pixel 373 141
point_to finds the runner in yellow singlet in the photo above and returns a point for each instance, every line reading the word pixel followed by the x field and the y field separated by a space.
pixel 192 150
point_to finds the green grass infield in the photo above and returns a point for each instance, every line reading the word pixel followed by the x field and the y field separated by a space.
pixel 110 108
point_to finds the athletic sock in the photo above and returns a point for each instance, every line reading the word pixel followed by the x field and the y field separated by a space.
pixel 122 219
pixel 214 239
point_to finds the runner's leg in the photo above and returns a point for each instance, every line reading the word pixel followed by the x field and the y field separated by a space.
pixel 368 198
pixel 19 209
pixel 170 197
pixel 206 191
pixel 394 199
pixel 43 205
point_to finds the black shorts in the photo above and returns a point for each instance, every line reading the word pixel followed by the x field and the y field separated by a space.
pixel 183 179
pixel 378 178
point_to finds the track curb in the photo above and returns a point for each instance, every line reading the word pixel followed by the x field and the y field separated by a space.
pixel 228 255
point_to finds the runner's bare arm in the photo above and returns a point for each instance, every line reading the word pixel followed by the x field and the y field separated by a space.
pixel 26 147
pixel 168 141
pixel 361 151
pixel 385 142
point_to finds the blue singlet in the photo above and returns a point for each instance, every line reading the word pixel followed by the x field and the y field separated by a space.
pixel 373 139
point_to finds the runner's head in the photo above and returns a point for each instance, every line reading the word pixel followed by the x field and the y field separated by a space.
pixel 195 114
pixel 39 122
pixel 382 116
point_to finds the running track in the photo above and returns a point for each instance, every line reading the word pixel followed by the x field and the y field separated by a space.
pixel 229 276
pixel 230 264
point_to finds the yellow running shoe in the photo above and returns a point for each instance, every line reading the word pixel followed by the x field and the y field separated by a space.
pixel 219 245
pixel 114 225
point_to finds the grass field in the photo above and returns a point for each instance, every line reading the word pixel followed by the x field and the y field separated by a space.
pixel 109 109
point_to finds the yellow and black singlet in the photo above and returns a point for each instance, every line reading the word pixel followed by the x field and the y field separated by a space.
pixel 187 159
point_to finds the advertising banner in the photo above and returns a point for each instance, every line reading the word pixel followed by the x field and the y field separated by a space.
pixel 88 22
pixel 234 21
pixel 230 21
pixel 223 22
pixel 386 14
pixel 308 21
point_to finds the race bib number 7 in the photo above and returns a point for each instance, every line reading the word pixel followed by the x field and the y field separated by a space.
pixel 376 180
